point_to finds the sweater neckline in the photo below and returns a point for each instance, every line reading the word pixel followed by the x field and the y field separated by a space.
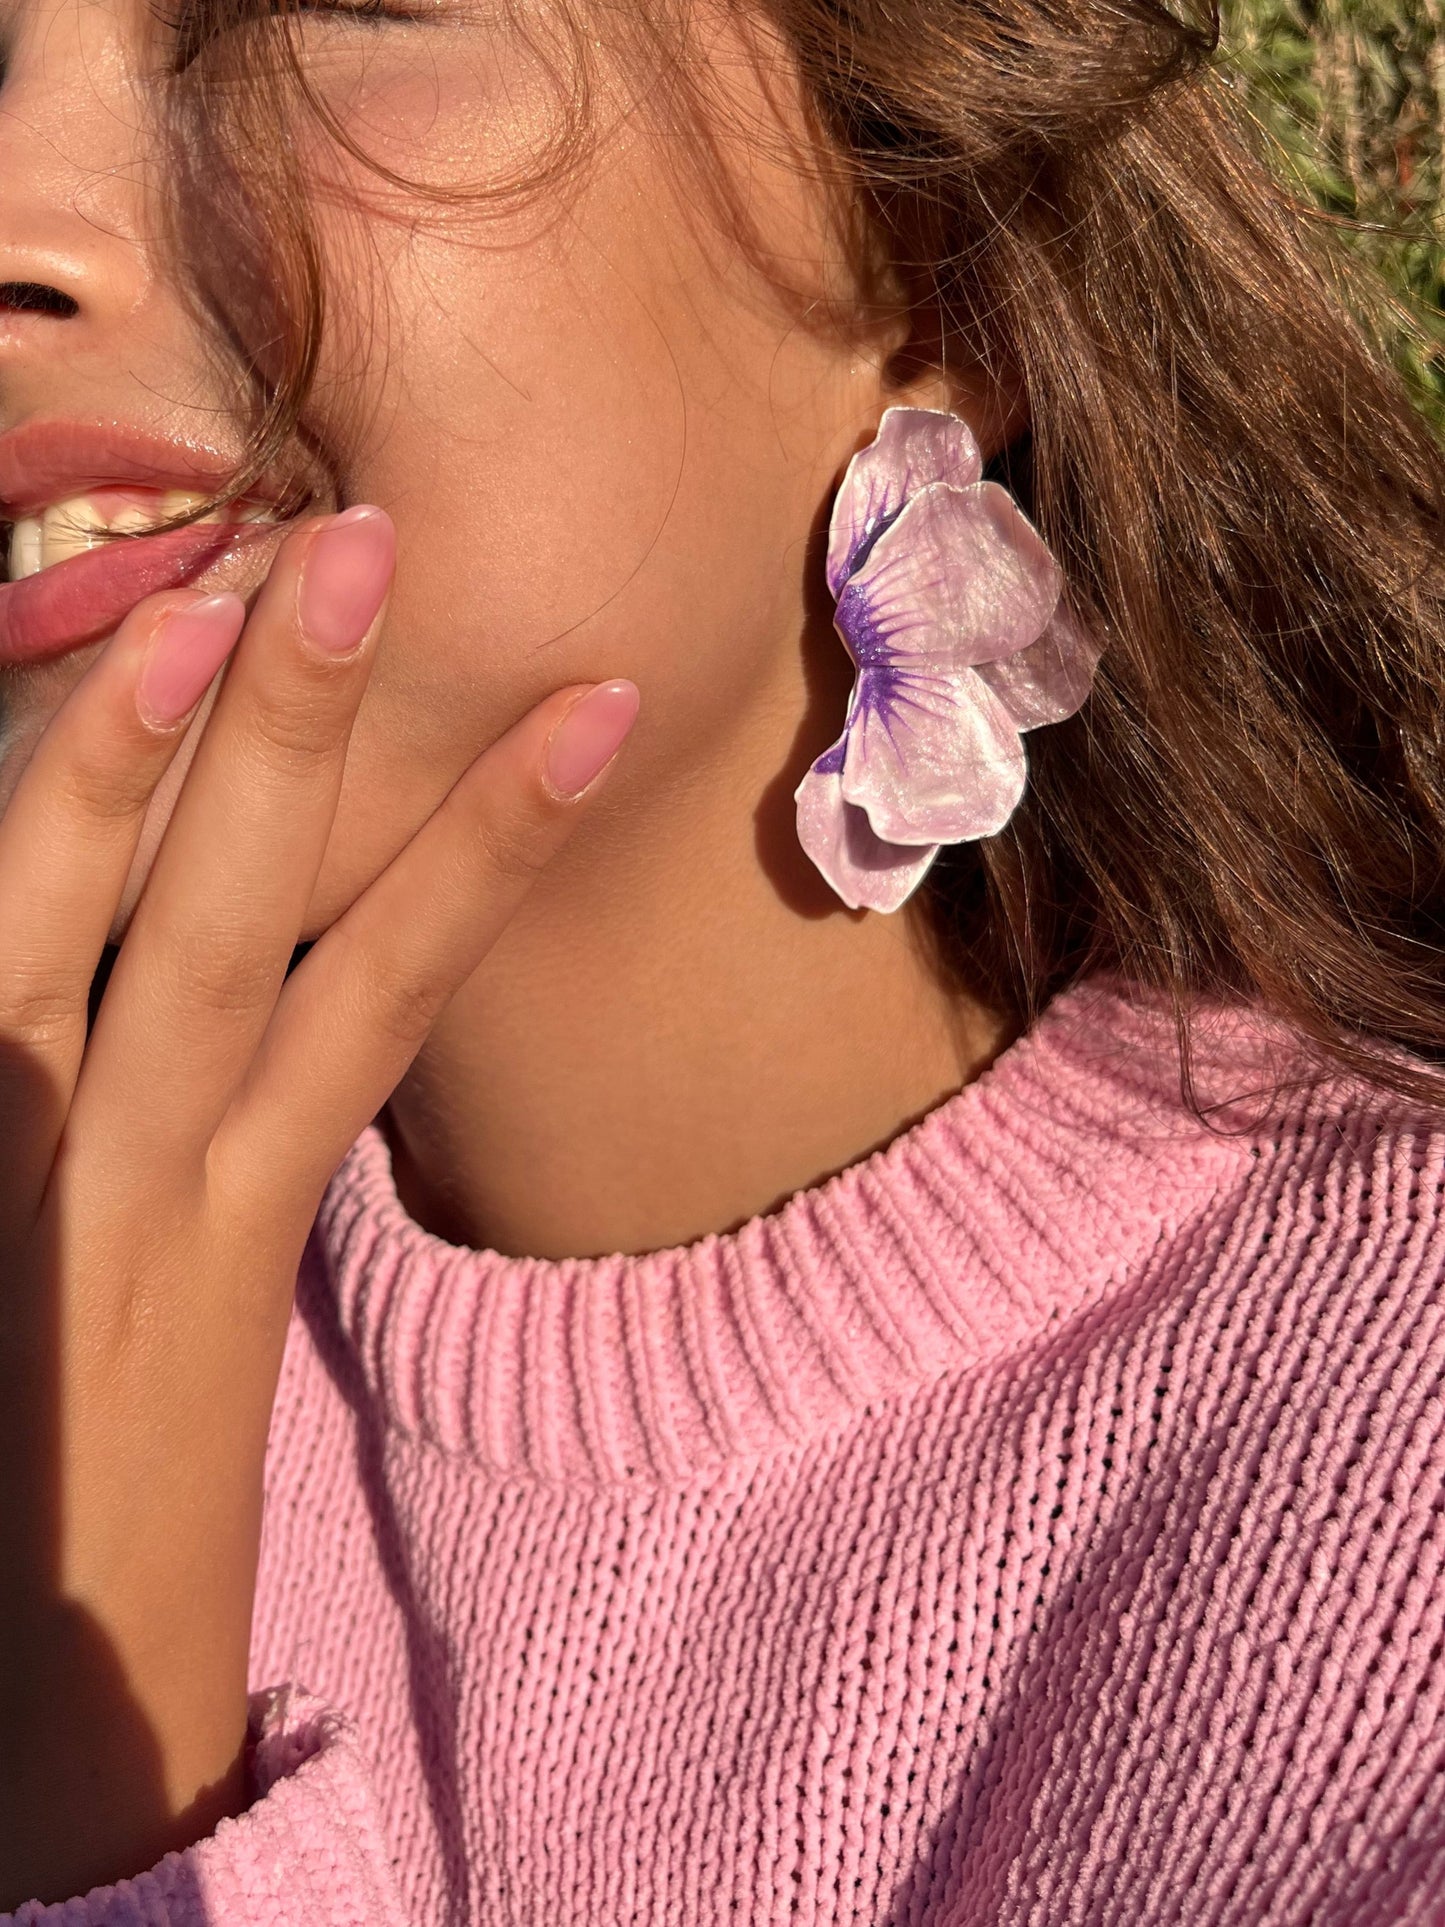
pixel 1011 1207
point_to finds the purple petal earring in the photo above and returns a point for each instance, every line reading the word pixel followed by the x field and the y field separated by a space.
pixel 949 604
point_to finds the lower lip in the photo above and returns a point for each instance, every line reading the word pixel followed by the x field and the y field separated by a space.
pixel 75 602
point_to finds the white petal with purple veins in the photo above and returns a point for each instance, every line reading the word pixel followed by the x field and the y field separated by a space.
pixel 961 577
pixel 866 872
pixel 950 606
pixel 932 757
pixel 1050 679
pixel 913 447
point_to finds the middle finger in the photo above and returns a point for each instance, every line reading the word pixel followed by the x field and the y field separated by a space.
pixel 202 963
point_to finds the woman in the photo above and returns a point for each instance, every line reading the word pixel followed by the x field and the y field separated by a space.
pixel 833 1314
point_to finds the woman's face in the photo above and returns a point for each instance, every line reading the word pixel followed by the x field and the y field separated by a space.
pixel 604 437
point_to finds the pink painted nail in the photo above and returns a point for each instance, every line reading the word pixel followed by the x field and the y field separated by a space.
pixel 345 576
pixel 188 647
pixel 587 738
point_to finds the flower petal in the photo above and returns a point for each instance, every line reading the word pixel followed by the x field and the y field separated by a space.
pixel 913 447
pixel 866 872
pixel 961 577
pixel 1050 679
pixel 932 758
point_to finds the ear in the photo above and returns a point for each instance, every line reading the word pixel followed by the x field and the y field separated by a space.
pixel 928 371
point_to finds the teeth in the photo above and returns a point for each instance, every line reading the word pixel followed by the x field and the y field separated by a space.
pixel 70 528
pixel 131 522
pixel 25 548
pixel 176 501
pixel 75 526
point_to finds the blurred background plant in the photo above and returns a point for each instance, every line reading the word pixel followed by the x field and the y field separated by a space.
pixel 1353 94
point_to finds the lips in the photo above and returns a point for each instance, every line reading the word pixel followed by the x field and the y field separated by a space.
pixel 44 461
pixel 75 602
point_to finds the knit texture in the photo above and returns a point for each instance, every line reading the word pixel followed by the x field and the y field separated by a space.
pixel 1040 1522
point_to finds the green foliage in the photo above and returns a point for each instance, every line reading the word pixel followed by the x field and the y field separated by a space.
pixel 1353 93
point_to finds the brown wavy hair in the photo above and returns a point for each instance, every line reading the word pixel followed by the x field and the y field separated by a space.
pixel 1248 507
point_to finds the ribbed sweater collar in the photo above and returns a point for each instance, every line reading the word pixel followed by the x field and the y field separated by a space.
pixel 1016 1204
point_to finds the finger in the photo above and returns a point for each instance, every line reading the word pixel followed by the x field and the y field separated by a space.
pixel 356 1011
pixel 67 841
pixel 207 951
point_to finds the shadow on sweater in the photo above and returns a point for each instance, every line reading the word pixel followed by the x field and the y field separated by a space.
pixel 49 1862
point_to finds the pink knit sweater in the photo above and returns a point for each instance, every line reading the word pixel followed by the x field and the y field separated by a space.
pixel 1040 1522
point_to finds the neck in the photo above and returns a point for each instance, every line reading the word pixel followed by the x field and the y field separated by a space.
pixel 673 1036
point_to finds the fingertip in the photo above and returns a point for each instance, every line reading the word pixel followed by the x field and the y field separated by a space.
pixel 187 647
pixel 588 736
pixel 346 574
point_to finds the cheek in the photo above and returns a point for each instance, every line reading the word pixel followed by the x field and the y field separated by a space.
pixel 604 457
pixel 583 486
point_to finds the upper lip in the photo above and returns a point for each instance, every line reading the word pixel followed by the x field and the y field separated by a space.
pixel 48 460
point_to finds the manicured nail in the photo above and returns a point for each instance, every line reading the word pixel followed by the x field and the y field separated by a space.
pixel 188 647
pixel 587 738
pixel 344 577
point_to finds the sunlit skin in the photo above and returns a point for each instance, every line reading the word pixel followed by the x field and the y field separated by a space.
pixel 608 446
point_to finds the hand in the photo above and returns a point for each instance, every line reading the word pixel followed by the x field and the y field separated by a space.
pixel 158 1179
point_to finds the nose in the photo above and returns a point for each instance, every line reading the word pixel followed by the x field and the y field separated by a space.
pixel 73 266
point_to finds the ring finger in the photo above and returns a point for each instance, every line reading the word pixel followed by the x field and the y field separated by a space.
pixel 67 840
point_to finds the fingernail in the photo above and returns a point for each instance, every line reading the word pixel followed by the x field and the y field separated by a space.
pixel 587 738
pixel 344 577
pixel 188 647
